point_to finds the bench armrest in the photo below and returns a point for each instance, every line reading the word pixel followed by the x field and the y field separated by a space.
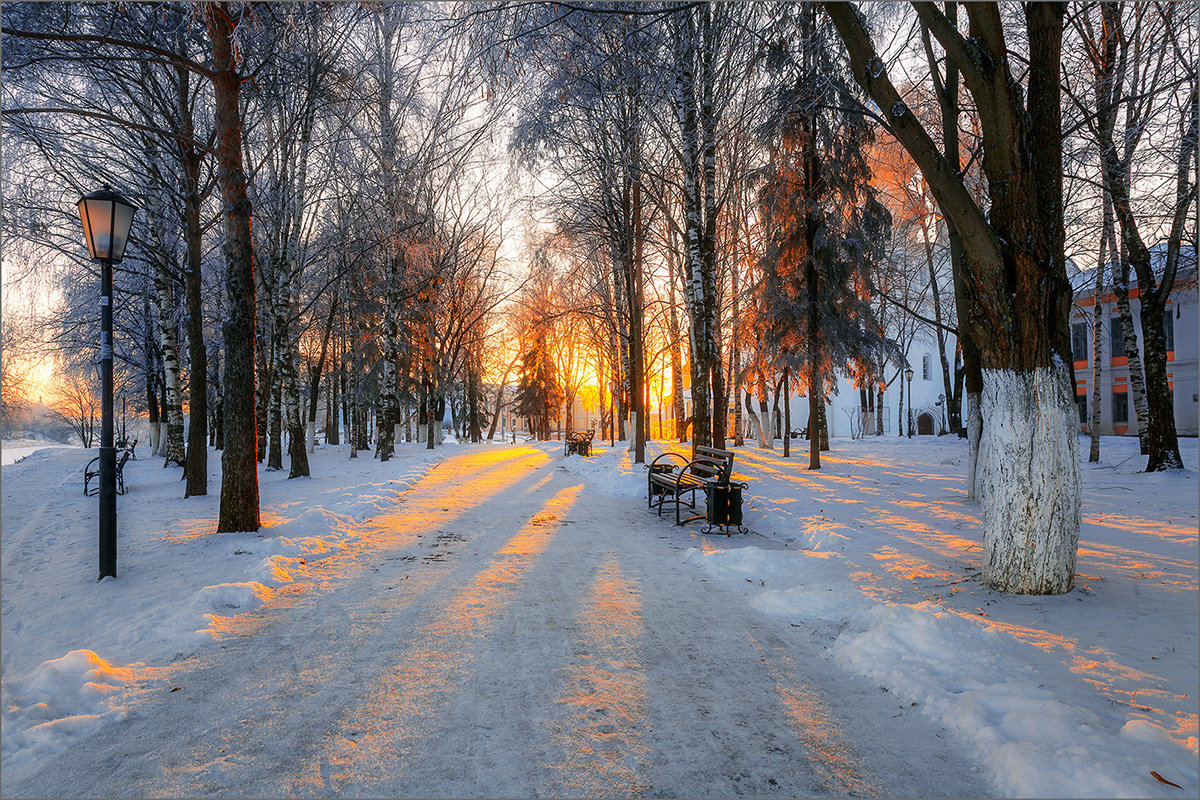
pixel 664 455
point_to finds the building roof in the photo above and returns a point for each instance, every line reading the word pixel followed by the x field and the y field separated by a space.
pixel 1083 282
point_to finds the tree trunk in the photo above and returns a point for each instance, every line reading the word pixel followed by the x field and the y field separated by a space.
pixel 708 160
pixel 275 412
pixel 1020 298
pixel 239 473
pixel 173 449
pixel 787 412
pixel 290 391
pixel 196 467
pixel 814 413
pixel 766 439
pixel 430 432
pixel 695 285
pixel 879 409
pixel 679 410
pixel 1156 416
pixel 824 425
pixel 637 356
pixel 1137 380
pixel 152 410
pixel 473 390
pixel 262 399
pixel 1106 233
pixel 218 422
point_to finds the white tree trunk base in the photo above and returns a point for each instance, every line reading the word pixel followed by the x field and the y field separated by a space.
pixel 974 431
pixel 1030 481
pixel 310 435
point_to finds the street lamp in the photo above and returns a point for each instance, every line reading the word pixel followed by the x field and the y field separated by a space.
pixel 908 373
pixel 106 218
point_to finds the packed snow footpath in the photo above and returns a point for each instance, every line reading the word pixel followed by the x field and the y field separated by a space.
pixel 1092 693
pixel 871 563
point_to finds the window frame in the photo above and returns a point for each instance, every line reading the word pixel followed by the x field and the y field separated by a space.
pixel 1116 336
pixel 1079 334
pixel 1123 418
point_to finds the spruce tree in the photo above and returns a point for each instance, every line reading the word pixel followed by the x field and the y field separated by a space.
pixel 825 225
pixel 539 392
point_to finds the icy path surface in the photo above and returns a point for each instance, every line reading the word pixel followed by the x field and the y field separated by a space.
pixel 511 631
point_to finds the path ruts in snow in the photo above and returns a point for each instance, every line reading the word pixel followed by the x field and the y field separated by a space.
pixel 509 632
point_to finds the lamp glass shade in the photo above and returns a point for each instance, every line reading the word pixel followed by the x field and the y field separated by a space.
pixel 106 218
pixel 908 373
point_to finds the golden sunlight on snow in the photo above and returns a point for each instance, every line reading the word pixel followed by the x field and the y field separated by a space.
pixel 599 740
pixel 409 695
pixel 833 754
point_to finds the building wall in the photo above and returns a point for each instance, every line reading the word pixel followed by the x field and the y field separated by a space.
pixel 842 412
pixel 1182 362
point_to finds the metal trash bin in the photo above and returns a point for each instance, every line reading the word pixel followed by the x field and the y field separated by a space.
pixel 724 507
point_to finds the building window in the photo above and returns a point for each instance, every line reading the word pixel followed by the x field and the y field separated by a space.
pixel 1081 402
pixel 1117 336
pixel 925 366
pixel 1169 328
pixel 1120 408
pixel 1079 341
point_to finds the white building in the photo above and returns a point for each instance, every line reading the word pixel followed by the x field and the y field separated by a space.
pixel 1117 415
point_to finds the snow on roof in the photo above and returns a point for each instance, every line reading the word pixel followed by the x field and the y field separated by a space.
pixel 1084 281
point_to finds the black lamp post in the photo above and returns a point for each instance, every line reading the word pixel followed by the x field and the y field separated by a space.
pixel 908 373
pixel 106 219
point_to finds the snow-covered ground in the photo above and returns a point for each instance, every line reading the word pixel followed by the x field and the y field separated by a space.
pixel 871 564
pixel 74 646
pixel 13 450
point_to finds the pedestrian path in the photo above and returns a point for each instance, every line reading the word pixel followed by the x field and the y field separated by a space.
pixel 508 632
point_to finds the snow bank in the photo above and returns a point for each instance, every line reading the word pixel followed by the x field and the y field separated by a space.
pixel 978 683
pixel 608 470
pixel 179 583
pixel 61 700
pixel 1080 695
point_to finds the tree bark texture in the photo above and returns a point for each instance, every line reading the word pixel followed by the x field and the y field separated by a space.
pixel 239 473
pixel 1019 297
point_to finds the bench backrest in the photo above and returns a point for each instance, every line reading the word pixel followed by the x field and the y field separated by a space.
pixel 713 464
pixel 591 434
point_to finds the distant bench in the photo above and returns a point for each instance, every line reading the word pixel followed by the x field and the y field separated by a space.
pixel 580 442
pixel 709 471
pixel 92 470
pixel 125 444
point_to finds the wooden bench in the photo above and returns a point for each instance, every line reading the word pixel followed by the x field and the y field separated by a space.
pixel 709 469
pixel 580 442
pixel 125 444
pixel 92 470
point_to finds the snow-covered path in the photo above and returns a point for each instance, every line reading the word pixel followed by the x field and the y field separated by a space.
pixel 483 640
